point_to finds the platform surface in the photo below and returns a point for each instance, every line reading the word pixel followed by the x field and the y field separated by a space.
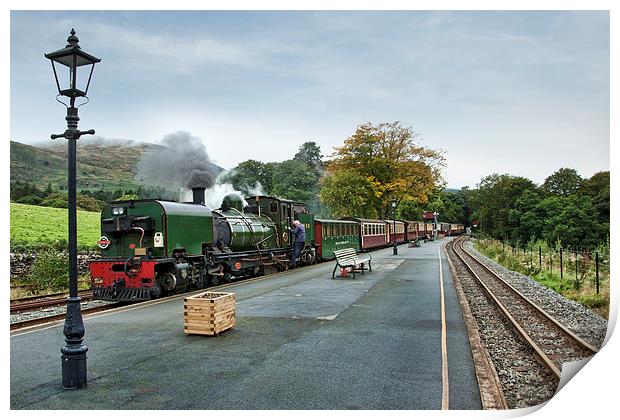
pixel 302 341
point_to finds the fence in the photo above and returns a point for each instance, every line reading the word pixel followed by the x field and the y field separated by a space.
pixel 577 266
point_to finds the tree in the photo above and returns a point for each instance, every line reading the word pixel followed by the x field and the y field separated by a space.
pixel 597 188
pixel 564 181
pixel 251 175
pixel 23 189
pixel 567 219
pixel 87 203
pixel 495 196
pixel 58 200
pixel 348 194
pixel 526 218
pixel 294 180
pixel 310 154
pixel 391 163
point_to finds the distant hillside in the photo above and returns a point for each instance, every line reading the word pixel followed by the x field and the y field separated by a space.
pixel 107 166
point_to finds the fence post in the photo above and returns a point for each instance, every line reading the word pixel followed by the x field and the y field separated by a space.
pixel 597 272
pixel 551 262
pixel 576 279
pixel 561 265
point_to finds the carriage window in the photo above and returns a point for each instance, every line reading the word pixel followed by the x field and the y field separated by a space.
pixel 273 207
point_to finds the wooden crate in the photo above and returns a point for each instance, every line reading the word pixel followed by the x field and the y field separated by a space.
pixel 209 313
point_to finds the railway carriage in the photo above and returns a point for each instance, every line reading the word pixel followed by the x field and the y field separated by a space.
pixel 373 233
pixel 332 235
pixel 428 230
pixel 444 229
pixel 411 230
pixel 396 231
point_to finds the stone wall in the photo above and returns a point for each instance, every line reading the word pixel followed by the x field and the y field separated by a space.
pixel 21 263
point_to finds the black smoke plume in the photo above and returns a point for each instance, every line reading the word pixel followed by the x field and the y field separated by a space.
pixel 183 161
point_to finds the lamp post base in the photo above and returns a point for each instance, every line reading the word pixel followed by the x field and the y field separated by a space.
pixel 74 367
pixel 74 353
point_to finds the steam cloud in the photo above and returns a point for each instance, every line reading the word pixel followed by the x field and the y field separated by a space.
pixel 183 161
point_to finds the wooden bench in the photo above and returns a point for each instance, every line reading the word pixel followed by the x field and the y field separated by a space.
pixel 347 258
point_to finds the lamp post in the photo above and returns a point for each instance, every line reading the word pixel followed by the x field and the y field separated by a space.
pixel 74 352
pixel 394 229
pixel 435 214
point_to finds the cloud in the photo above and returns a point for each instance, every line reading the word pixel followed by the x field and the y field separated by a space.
pixel 174 53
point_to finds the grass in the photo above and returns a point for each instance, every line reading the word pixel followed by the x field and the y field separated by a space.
pixel 580 287
pixel 35 226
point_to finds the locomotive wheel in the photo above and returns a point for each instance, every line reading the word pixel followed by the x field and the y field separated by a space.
pixel 168 281
pixel 214 280
pixel 200 284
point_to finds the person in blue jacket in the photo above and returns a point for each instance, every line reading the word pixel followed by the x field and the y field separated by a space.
pixel 300 238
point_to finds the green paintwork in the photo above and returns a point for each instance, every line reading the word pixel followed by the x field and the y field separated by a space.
pixel 337 237
pixel 248 230
pixel 283 212
pixel 185 226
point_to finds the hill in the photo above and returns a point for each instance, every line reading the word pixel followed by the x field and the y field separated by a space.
pixel 99 165
pixel 107 165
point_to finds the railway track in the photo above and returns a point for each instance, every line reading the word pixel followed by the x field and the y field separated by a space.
pixel 549 340
pixel 45 301
pixel 59 316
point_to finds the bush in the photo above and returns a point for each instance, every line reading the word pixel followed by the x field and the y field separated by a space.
pixel 29 199
pixel 49 271
pixel 58 200
pixel 592 301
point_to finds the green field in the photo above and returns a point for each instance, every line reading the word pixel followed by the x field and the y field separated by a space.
pixel 35 225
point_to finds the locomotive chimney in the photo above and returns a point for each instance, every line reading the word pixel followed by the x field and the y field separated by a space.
pixel 199 195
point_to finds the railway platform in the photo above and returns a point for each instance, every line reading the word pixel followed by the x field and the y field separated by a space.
pixel 302 341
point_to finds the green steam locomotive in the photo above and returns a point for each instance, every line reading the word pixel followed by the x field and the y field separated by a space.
pixel 152 248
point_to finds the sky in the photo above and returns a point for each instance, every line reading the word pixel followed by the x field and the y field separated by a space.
pixel 516 92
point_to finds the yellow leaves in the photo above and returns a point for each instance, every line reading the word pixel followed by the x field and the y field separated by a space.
pixel 390 163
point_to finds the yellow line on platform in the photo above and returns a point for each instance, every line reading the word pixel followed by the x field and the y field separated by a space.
pixel 445 395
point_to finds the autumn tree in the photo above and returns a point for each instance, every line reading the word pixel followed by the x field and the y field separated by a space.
pixel 384 162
